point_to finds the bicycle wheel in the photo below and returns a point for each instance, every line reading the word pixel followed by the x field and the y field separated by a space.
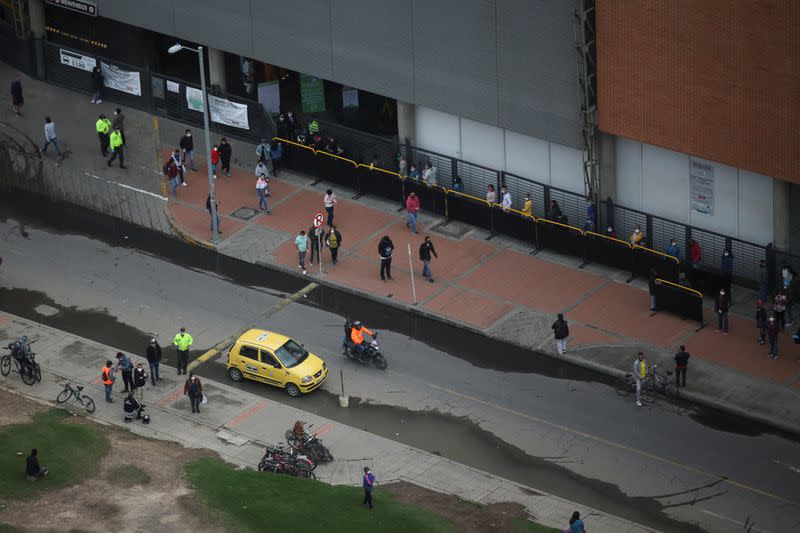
pixel 624 386
pixel 37 372
pixel 5 365
pixel 88 403
pixel 28 376
pixel 306 473
pixel 306 461
pixel 64 395
pixel 293 440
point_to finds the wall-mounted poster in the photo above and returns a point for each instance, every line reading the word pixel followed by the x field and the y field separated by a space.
pixel 701 188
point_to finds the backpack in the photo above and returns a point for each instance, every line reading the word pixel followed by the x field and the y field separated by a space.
pixel 165 168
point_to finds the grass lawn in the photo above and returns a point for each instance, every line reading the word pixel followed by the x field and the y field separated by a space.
pixel 518 525
pixel 70 451
pixel 258 501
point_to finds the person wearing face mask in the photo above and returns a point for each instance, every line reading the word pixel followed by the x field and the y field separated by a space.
pixel 194 389
pixel 726 266
pixel 186 145
pixel 773 329
pixel 723 304
pixel 637 237
pixel 673 249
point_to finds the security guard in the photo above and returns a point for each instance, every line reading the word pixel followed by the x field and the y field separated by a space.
pixel 107 377
pixel 183 341
pixel 103 125
pixel 116 148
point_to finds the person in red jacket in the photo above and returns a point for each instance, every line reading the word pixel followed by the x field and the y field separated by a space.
pixel 412 207
pixel 695 253
pixel 214 160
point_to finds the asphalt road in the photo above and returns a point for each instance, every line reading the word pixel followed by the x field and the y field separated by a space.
pixel 518 414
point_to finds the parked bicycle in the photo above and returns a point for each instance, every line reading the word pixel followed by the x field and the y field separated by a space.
pixel 280 462
pixel 656 382
pixel 308 443
pixel 77 393
pixel 278 453
pixel 22 361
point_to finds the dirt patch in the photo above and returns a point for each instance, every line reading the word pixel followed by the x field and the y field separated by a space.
pixel 138 486
pixel 467 517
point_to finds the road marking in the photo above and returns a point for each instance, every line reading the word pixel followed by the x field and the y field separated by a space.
pixel 125 186
pixel 324 429
pixel 607 442
pixel 745 526
pixel 793 468
pixel 227 341
pixel 244 415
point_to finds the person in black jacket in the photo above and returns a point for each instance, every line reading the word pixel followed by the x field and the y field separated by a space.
pixel 187 148
pixel 425 251
pixel 560 332
pixel 154 359
pixel 225 152
pixel 208 207
pixel 723 304
pixel 97 85
pixel 334 241
pixel 385 249
pixel 681 365
pixel 32 468
pixel 16 95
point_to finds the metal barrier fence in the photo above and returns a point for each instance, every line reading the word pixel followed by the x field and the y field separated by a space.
pixel 360 146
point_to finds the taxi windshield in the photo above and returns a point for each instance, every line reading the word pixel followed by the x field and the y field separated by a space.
pixel 291 354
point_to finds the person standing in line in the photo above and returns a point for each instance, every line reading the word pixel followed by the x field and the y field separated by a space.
pixel 639 373
pixel 560 332
pixel 651 288
pixel 50 137
pixel 555 214
pixel 261 191
pixel 429 175
pixel 208 208
pixel 527 207
pixel 673 249
pixel 97 85
pixel 681 365
pixel 108 378
pixel 32 469
pixel 779 307
pixel 576 524
pixel 301 242
pixel 125 365
pixel 118 122
pixel 329 201
pixel 183 341
pixel 637 237
pixel 214 160
pixel 225 152
pixel 17 100
pixel 102 128
pixel 315 238
pixel 369 482
pixel 154 360
pixel 276 154
pixel 412 208
pixel 723 305
pixel 773 330
pixel 695 254
pixel 413 173
pixel 425 251
pixel 458 184
pixel 402 166
pixel 385 249
pixel 186 145
pixel 726 267
pixel 761 322
pixel 505 199
pixel 491 195
pixel 763 280
pixel 139 381
pixel 334 241
pixel 194 389
pixel 115 143
pixel 262 152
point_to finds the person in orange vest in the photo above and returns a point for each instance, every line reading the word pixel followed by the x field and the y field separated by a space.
pixel 357 336
pixel 107 376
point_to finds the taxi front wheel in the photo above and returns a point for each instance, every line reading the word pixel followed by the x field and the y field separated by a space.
pixel 235 374
pixel 292 390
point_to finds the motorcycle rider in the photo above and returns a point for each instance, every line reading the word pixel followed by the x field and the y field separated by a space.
pixel 357 338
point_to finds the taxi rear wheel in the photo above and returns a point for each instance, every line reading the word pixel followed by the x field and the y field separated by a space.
pixel 293 390
pixel 235 374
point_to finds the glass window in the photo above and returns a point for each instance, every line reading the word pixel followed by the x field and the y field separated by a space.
pixel 249 352
pixel 268 359
pixel 291 354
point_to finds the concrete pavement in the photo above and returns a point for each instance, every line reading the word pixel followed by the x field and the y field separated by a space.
pixel 238 425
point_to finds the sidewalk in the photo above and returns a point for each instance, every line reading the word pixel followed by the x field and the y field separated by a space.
pixel 238 425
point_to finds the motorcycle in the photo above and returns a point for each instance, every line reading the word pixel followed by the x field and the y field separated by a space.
pixel 24 360
pixel 372 352
pixel 279 462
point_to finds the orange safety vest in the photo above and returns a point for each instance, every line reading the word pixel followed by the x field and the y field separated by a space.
pixel 106 373
pixel 357 335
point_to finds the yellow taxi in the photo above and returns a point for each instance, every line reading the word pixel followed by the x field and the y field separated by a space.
pixel 277 360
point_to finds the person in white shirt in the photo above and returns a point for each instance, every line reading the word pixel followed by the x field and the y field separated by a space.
pixel 506 199
pixel 429 174
pixel 328 201
pixel 50 137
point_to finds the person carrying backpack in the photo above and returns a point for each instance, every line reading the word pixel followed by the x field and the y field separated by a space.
pixel 560 332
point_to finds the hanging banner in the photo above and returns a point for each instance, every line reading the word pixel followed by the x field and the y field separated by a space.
pixel 269 96
pixel 349 97
pixel 701 188
pixel 194 99
pixel 312 93
pixel 122 80
pixel 77 60
pixel 229 113
pixel 173 86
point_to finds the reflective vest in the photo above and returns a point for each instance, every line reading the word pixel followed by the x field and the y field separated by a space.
pixel 183 341
pixel 106 374
pixel 116 139
pixel 642 369
pixel 101 125
pixel 313 127
pixel 357 335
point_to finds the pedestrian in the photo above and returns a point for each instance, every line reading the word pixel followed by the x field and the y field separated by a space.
pixel 125 365
pixel 560 331
pixel 33 471
pixel 761 322
pixel 527 206
pixel 131 408
pixel 118 122
pixel 723 305
pixel 673 249
pixel 458 184
pixel 429 174
pixel 639 373
pixel 301 242
pixel 695 254
pixel 763 280
pixel 491 195
pixel 369 482
pixel 610 233
pixel 726 267
pixel 115 143
pixel 773 330
pixel 108 378
pixel 97 85
pixel 176 158
pixel 186 145
pixel 425 251
pixel 262 170
pixel 262 186
pixel 214 160
pixel 139 381
pixel 154 360
pixel 194 389
pixel 262 152
pixel 334 241
pixel 315 237
pixel 412 210
pixel 276 154
pixel 683 281
pixel 779 307
pixel 385 249
pixel 173 176
pixel 555 213
pixel 413 173
pixel 182 341
pixel 791 289
pixel 590 222
pixel 505 199
pixel 681 365
pixel 402 166
pixel 225 152
pixel 576 524
pixel 50 137
pixel 787 275
pixel 102 127
pixel 17 100
pixel 651 288
pixel 637 237
pixel 329 201
pixel 216 211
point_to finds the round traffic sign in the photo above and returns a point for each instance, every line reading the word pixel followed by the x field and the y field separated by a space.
pixel 318 218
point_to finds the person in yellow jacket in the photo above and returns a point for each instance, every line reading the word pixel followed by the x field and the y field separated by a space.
pixel 182 342
pixel 103 125
pixel 527 207
pixel 115 141
pixel 639 374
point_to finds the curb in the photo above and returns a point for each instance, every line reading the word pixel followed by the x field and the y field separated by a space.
pixel 182 233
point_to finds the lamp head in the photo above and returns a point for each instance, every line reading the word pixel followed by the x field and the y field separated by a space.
pixel 175 48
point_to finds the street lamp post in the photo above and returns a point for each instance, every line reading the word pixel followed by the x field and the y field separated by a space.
pixel 174 49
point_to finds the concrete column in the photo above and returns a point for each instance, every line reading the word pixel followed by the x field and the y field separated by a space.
pixel 406 122
pixel 781 214
pixel 607 154
pixel 38 31
pixel 216 68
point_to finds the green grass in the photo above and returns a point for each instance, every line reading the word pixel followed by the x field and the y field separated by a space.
pixel 520 525
pixel 70 451
pixel 257 501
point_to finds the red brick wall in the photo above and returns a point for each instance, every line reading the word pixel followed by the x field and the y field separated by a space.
pixel 719 79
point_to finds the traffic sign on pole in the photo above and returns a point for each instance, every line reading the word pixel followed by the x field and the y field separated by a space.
pixel 318 218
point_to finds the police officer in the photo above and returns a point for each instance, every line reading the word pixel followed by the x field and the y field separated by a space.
pixel 182 342
pixel 102 125
pixel 116 148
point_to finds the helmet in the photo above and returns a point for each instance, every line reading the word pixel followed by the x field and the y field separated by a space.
pixel 146 419
pixel 357 324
